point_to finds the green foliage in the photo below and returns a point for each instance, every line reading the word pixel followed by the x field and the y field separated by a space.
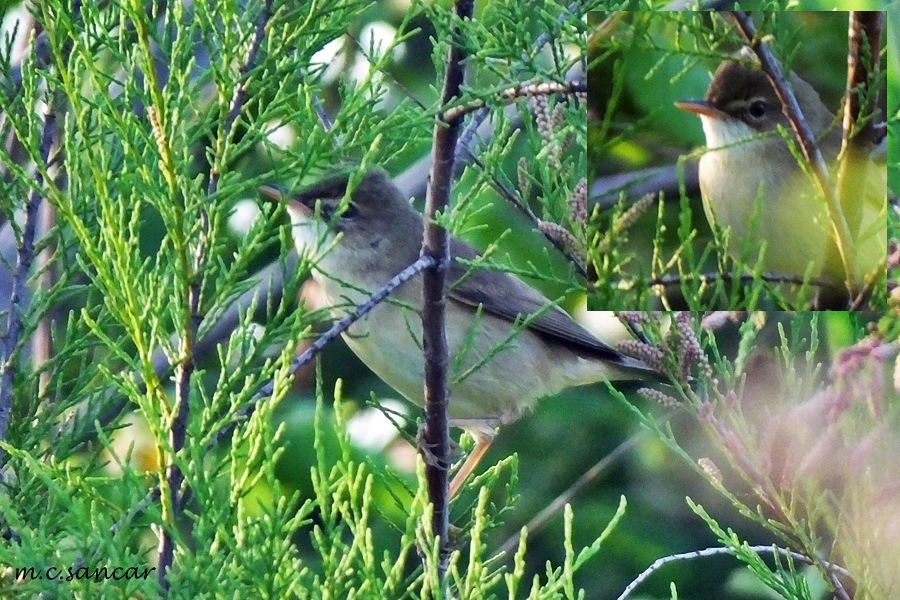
pixel 783 579
pixel 796 457
pixel 148 132
pixel 893 157
pixel 147 169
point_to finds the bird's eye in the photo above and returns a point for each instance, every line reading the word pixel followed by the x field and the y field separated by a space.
pixel 325 211
pixel 757 109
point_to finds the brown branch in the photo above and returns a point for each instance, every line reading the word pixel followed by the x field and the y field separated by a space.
pixel 11 338
pixel 807 142
pixel 864 42
pixel 435 444
pixel 184 371
pixel 605 191
pixel 521 90
pixel 267 389
pixel 859 104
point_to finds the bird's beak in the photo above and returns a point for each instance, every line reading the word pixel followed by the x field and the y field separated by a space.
pixel 275 195
pixel 271 193
pixel 701 107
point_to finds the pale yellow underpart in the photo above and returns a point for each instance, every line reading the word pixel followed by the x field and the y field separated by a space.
pixel 388 341
pixel 792 219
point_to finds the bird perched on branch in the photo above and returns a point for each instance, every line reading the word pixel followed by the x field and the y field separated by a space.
pixel 508 344
pixel 754 181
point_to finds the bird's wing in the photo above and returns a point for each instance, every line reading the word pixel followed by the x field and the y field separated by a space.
pixel 506 296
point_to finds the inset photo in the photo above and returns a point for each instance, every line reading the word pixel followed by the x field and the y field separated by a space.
pixel 737 161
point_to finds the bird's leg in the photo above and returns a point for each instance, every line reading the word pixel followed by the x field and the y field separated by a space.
pixel 483 440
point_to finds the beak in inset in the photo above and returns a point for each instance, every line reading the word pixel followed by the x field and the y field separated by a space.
pixel 271 193
pixel 274 194
pixel 701 107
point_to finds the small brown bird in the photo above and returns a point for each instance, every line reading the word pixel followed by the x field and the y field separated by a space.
pixel 749 173
pixel 509 345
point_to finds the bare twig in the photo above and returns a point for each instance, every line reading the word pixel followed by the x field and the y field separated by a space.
pixel 558 503
pixel 267 389
pixel 336 330
pixel 698 5
pixel 859 106
pixel 522 90
pixel 832 568
pixel 669 280
pixel 11 338
pixel 436 245
pixel 807 141
pixel 184 371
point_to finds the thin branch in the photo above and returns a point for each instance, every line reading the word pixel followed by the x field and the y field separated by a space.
pixel 670 280
pixel 865 42
pixel 333 333
pixel 510 94
pixel 697 5
pixel 807 141
pixel 559 503
pixel 184 372
pixel 12 337
pixel 513 199
pixel 435 445
pixel 298 362
pixel 659 563
pixel 859 118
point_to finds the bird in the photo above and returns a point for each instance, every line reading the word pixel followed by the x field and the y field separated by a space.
pixel 509 345
pixel 752 182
